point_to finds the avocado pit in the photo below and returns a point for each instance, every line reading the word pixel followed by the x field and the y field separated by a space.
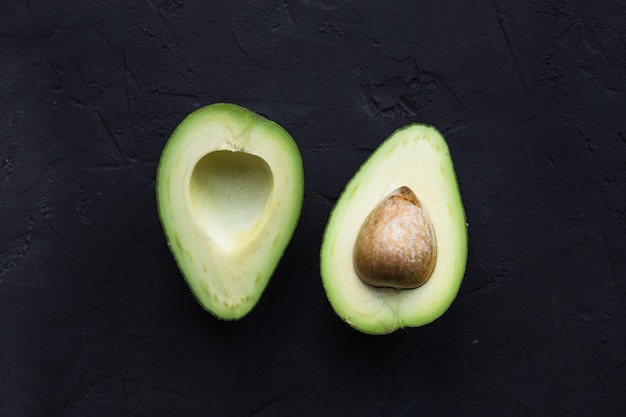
pixel 396 245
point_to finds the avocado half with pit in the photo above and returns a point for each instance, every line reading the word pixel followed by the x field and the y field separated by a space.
pixel 230 188
pixel 394 250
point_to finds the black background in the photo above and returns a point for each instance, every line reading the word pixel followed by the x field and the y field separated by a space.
pixel 95 318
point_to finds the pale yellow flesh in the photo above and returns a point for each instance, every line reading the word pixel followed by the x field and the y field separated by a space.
pixel 417 157
pixel 229 190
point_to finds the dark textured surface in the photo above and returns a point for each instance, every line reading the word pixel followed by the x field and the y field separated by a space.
pixel 96 319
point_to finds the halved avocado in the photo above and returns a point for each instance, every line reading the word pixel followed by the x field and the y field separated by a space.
pixel 398 215
pixel 230 188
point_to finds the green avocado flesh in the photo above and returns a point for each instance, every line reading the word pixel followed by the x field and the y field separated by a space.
pixel 230 188
pixel 416 157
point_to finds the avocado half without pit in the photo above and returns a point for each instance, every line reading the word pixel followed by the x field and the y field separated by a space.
pixel 230 188
pixel 394 250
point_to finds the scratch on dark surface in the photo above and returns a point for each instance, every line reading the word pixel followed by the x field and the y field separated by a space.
pixel 611 266
pixel 474 293
pixel 8 165
pixel 110 134
pixel 50 170
pixel 181 95
pixel 113 167
pixel 587 44
pixel 267 407
pixel 565 31
pixel 281 13
pixel 324 5
pixel 173 392
pixel 45 264
pixel 29 394
pixel 590 148
pixel 496 409
pixel 505 34
pixel 56 70
pixel 170 7
pixel 492 276
pixel 53 228
pixel 243 50
pixel 611 336
pixel 443 81
pixel 101 33
pixel 127 69
pixel 18 249
pixel 127 92
pixel 151 6
pixel 456 126
pixel 28 9
pixel 350 31
pixel 122 370
pixel 329 198
pixel 164 45
pixel 130 71
pixel 150 164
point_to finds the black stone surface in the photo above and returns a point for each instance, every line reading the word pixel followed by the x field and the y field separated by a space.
pixel 95 318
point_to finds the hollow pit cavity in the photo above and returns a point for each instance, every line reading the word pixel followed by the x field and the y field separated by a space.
pixel 230 192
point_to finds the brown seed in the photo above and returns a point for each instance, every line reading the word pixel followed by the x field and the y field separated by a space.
pixel 396 245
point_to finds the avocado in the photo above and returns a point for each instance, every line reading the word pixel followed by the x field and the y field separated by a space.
pixel 230 187
pixel 394 250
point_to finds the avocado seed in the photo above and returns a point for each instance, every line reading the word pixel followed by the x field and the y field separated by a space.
pixel 396 245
